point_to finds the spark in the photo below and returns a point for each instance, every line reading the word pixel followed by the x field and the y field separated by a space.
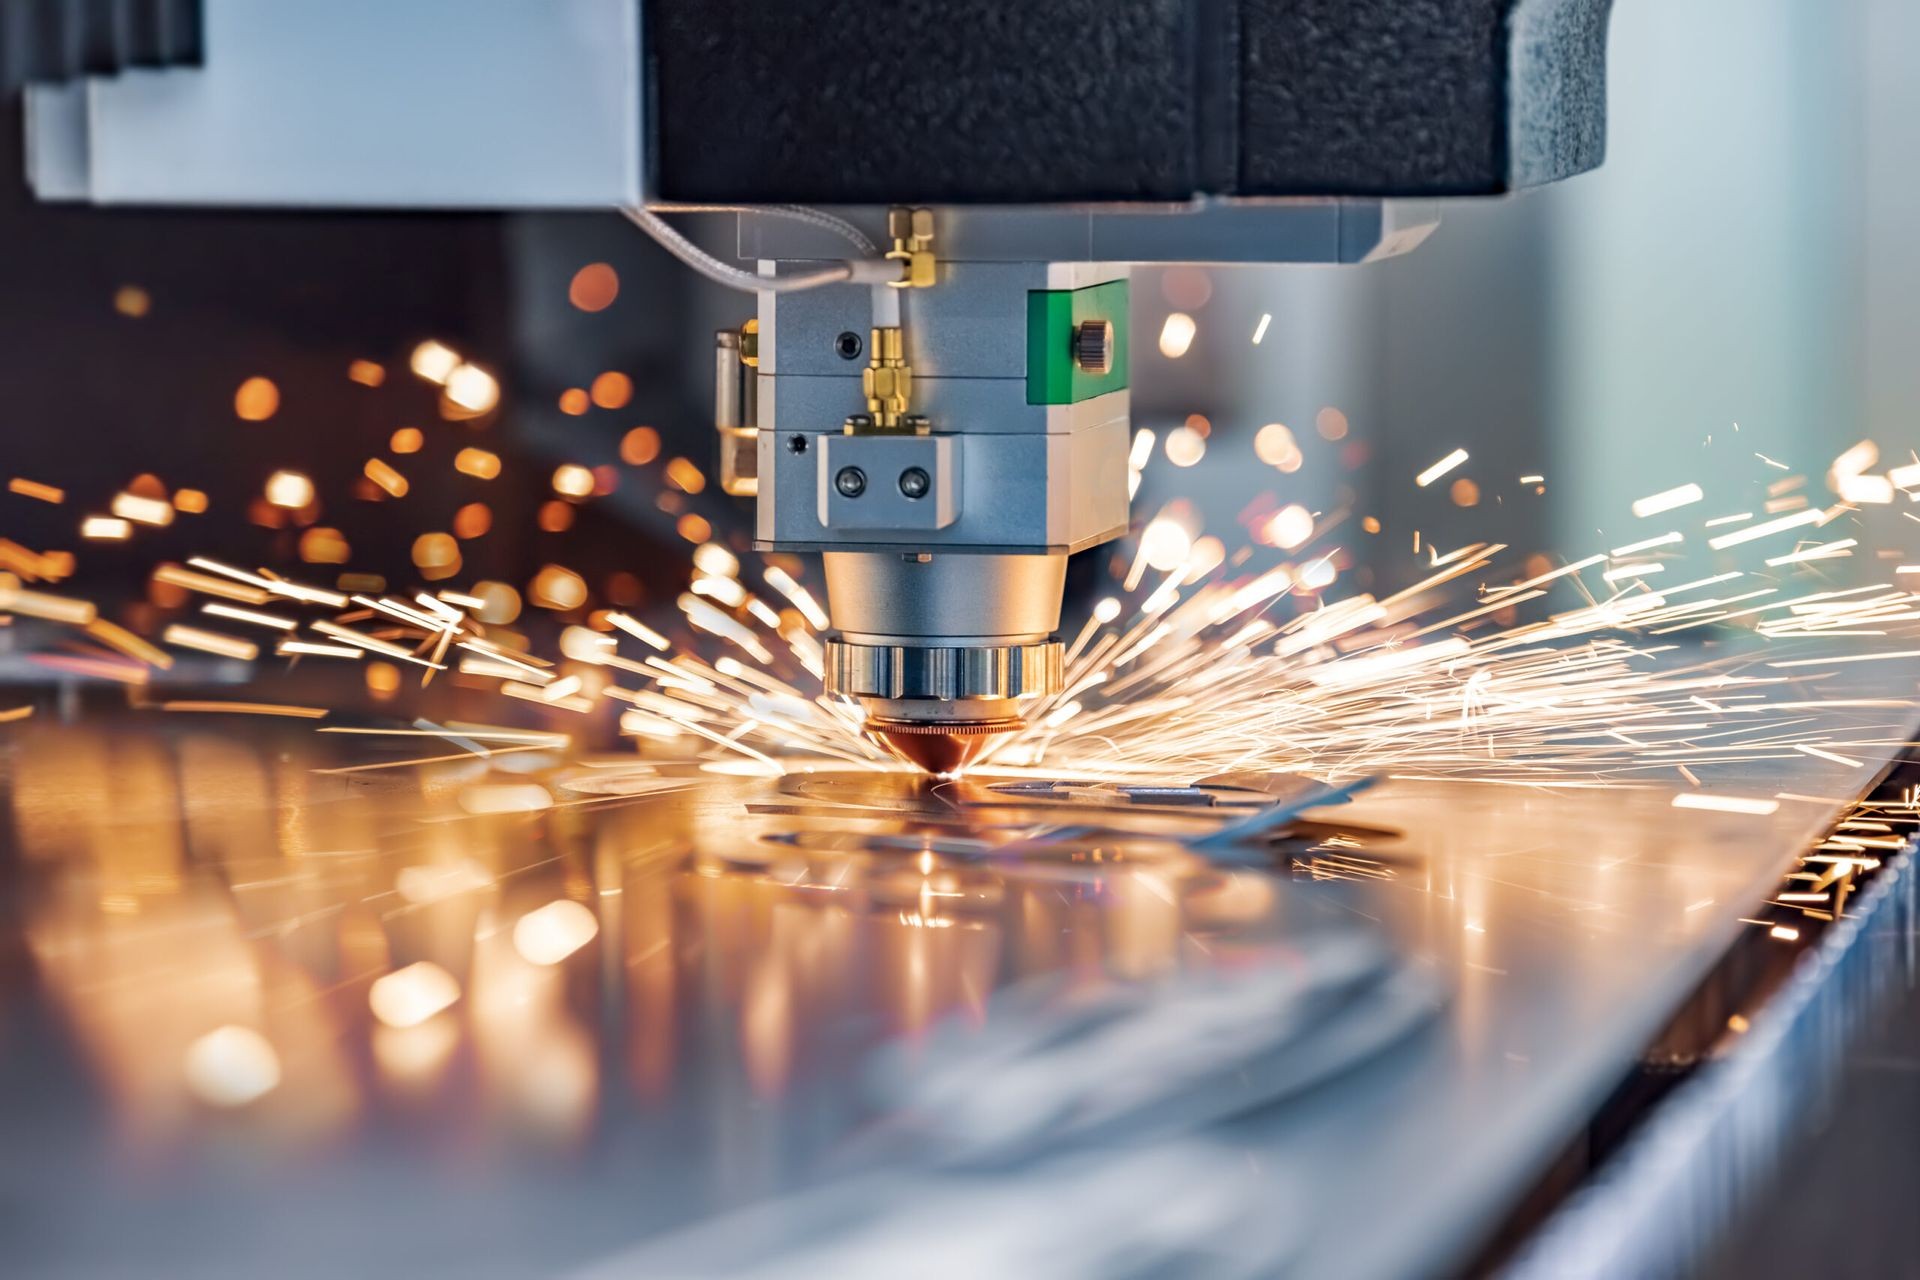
pixel 472 389
pixel 289 489
pixel 1440 468
pixel 34 489
pixel 372 643
pixel 1648 544
pixel 1176 334
pixel 206 584
pixel 1831 659
pixel 641 631
pixel 248 709
pixel 1826 755
pixel 478 463
pixel 115 636
pixel 231 1066
pixel 106 529
pixel 248 615
pixel 213 642
pixel 382 473
pixel 408 997
pixel 1668 500
pixel 505 797
pixel 1824 551
pixel 547 935
pixel 1765 529
pixel 273 586
pixel 314 649
pixel 1219 662
pixel 149 511
pixel 39 604
pixel 434 361
pixel 1725 804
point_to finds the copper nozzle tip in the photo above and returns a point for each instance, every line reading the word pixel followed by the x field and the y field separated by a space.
pixel 941 748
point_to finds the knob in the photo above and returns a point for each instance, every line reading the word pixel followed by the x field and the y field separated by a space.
pixel 1093 345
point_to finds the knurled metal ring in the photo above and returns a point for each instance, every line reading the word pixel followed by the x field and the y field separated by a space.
pixel 1093 345
pixel 943 672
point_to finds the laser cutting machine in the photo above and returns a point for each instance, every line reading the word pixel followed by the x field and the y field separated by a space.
pixel 937 205
pixel 945 417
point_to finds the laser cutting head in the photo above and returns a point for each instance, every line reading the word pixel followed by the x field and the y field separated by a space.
pixel 948 442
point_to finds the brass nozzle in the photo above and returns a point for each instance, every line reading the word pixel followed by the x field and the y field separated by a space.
pixel 944 747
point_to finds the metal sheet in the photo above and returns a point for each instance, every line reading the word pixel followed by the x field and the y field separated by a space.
pixel 758 940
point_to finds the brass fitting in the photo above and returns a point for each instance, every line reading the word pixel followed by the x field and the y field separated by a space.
pixel 887 381
pixel 736 413
pixel 912 232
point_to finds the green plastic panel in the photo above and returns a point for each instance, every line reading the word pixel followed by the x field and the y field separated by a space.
pixel 1052 315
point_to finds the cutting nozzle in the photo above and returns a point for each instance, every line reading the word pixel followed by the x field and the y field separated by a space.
pixel 942 747
pixel 942 651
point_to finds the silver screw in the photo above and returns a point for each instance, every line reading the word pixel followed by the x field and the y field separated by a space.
pixel 915 482
pixel 850 481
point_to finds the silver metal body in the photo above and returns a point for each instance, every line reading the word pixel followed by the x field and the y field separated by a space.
pixel 945 596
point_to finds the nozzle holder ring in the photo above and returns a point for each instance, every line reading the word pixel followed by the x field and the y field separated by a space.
pixel 942 672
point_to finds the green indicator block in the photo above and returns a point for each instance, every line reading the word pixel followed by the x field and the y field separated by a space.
pixel 1053 315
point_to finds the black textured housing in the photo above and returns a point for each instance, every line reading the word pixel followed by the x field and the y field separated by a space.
pixel 51 41
pixel 980 101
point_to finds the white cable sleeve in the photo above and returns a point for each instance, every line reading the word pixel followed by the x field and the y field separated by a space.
pixel 861 271
pixel 794 212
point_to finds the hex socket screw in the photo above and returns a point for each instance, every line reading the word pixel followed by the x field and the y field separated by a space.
pixel 850 481
pixel 914 482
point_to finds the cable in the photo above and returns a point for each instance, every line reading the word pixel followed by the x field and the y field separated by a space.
pixel 860 271
pixel 793 212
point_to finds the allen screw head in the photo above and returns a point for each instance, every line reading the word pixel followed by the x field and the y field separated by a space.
pixel 848 345
pixel 796 444
pixel 850 481
pixel 915 482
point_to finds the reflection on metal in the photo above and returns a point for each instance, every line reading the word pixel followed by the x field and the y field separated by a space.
pixel 1671 1201
pixel 756 943
pixel 196 887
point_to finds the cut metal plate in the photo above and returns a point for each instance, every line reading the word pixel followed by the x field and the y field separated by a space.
pixel 759 944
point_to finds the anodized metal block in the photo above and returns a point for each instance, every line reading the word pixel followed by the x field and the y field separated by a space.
pixel 884 464
pixel 1022 491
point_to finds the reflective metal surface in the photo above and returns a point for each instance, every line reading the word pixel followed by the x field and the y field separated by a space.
pixel 207 921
